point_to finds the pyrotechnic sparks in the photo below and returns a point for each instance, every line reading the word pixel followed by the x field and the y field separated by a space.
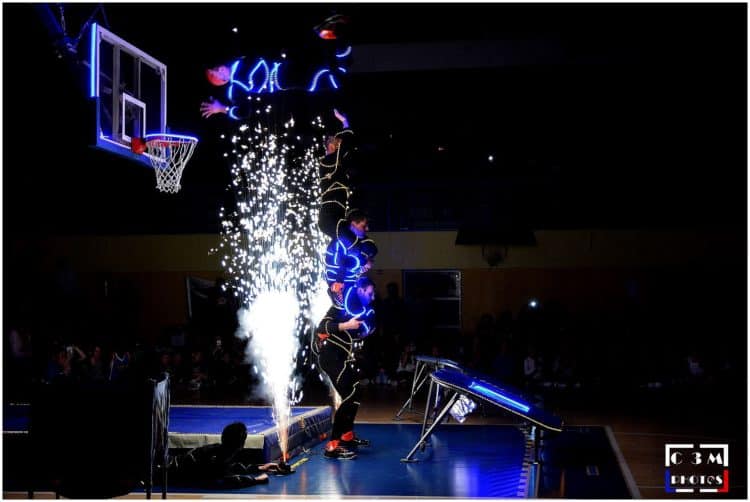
pixel 270 321
pixel 272 248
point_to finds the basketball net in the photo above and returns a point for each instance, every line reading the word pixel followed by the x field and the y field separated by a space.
pixel 169 153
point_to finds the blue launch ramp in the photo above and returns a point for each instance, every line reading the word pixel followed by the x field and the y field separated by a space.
pixel 454 383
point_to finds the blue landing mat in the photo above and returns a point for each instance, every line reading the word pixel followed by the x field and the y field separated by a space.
pixel 193 426
pixel 212 419
pixel 462 461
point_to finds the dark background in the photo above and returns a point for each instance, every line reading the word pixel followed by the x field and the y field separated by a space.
pixel 611 116
pixel 624 116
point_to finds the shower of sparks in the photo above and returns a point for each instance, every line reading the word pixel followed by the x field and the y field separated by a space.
pixel 272 249
pixel 271 320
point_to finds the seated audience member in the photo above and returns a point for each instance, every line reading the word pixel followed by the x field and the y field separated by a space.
pixel 97 370
pixel 406 367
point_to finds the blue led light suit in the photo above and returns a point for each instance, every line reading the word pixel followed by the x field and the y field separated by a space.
pixel 344 260
pixel 302 71
pixel 346 253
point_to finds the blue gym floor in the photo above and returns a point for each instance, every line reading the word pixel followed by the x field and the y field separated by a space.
pixel 462 461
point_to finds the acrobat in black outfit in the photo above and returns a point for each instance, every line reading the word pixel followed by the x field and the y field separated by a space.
pixel 216 465
pixel 339 338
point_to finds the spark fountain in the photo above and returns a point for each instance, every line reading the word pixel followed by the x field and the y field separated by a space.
pixel 271 248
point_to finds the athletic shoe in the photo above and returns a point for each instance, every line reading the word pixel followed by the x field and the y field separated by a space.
pixel 340 453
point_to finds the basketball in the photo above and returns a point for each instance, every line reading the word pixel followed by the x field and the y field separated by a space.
pixel 137 145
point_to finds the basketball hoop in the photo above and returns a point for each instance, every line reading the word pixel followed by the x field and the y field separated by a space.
pixel 169 153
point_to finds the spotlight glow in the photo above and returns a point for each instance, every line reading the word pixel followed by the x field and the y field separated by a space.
pixel 270 322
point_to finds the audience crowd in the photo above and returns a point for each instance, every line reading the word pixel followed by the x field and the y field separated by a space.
pixel 542 346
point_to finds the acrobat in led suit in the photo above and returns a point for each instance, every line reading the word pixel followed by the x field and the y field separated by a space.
pixel 320 65
pixel 340 335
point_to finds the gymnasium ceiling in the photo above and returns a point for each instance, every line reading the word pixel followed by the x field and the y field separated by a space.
pixel 606 116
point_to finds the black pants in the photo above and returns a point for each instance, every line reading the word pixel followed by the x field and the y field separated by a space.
pixel 331 212
pixel 344 374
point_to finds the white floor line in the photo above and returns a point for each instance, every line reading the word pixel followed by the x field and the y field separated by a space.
pixel 629 480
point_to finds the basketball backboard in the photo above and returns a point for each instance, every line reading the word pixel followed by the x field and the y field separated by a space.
pixel 130 92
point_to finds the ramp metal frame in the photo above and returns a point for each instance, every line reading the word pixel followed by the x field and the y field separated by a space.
pixel 437 384
pixel 424 366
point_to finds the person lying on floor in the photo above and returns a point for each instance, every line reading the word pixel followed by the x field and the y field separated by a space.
pixel 216 464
